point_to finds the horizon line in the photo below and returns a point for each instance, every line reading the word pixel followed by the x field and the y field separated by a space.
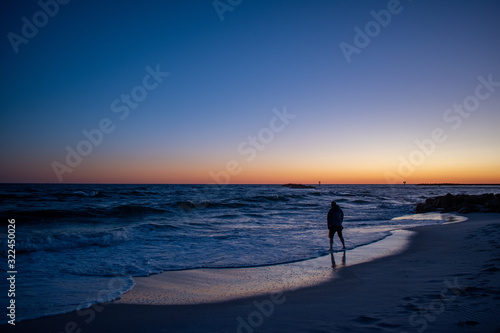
pixel 401 184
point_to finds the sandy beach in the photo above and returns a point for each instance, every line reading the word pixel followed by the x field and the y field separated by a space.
pixel 446 280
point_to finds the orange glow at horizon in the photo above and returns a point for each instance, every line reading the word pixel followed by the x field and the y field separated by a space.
pixel 279 173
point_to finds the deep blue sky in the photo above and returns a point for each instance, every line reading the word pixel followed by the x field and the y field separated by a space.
pixel 354 121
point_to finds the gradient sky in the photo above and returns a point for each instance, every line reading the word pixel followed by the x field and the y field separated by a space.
pixel 354 122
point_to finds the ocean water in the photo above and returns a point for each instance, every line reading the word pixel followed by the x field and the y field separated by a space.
pixel 78 245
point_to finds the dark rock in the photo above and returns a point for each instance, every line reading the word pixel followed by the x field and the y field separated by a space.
pixel 468 209
pixel 421 208
pixel 461 203
pixel 297 186
pixel 493 205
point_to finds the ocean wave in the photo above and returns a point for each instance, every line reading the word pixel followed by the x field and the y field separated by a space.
pixel 190 205
pixel 146 227
pixel 124 269
pixel 264 198
pixel 17 196
pixel 142 192
pixel 72 194
pixel 361 202
pixel 71 240
pixel 85 291
pixel 258 215
pixel 339 194
pixel 55 215
pixel 87 194
pixel 60 195
pixel 313 254
pixel 228 216
pixel 133 210
pixel 356 201
pixel 27 216
pixel 389 206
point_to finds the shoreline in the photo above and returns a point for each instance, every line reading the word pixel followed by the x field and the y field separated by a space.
pixel 452 270
pixel 212 285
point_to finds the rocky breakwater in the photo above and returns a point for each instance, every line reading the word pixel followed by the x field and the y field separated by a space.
pixel 461 203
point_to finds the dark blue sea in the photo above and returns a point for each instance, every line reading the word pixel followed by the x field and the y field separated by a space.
pixel 77 245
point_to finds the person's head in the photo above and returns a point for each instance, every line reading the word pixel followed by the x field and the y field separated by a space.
pixel 334 204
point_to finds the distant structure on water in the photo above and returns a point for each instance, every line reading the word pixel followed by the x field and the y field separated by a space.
pixel 297 186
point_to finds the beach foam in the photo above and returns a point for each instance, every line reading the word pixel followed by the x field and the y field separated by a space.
pixel 215 285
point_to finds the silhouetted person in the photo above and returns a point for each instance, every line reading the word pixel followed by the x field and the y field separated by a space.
pixel 335 219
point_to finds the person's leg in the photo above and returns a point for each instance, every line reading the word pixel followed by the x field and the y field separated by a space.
pixel 341 238
pixel 331 233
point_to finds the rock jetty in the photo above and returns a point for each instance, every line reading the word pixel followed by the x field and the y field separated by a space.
pixel 461 203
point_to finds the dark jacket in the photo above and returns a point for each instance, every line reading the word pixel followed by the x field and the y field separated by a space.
pixel 335 216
